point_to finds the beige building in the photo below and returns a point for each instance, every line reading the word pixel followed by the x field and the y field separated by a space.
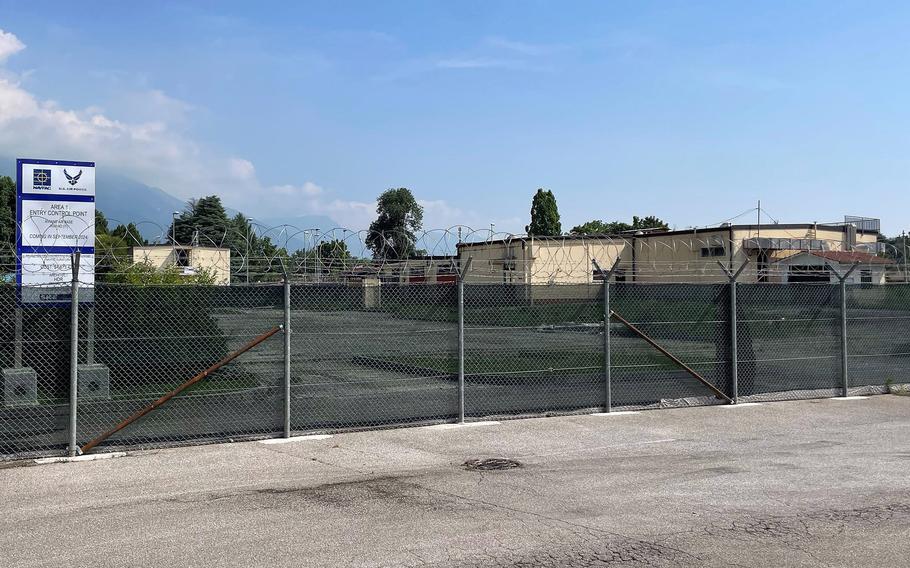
pixel 816 266
pixel 190 259
pixel 661 256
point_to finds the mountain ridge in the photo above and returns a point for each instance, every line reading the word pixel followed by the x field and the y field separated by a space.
pixel 124 200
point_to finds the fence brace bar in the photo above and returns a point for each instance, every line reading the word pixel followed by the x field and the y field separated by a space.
pixel 139 414
pixel 462 271
pixel 287 351
pixel 608 379
pixel 845 379
pixel 74 353
pixel 688 369
pixel 734 355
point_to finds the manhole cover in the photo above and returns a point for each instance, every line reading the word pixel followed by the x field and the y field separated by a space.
pixel 490 464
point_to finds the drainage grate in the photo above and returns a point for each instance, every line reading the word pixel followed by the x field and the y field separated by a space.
pixel 490 464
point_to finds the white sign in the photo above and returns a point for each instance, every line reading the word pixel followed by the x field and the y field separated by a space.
pixel 47 278
pixel 58 223
pixel 45 179
pixel 55 218
pixel 50 269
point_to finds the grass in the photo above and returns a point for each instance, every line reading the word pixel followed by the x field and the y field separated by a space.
pixel 210 385
pixel 530 361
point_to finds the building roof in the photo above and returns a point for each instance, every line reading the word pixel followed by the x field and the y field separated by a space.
pixel 694 232
pixel 179 247
pixel 845 257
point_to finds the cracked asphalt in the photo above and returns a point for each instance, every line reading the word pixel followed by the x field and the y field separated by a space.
pixel 808 483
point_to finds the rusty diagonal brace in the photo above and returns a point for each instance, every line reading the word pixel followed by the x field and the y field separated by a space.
pixel 139 414
pixel 672 357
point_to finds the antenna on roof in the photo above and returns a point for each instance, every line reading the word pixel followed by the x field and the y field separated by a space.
pixel 759 218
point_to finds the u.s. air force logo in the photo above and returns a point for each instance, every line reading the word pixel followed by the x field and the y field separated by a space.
pixel 73 179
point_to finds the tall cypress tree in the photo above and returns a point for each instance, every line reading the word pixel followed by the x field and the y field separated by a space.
pixel 544 215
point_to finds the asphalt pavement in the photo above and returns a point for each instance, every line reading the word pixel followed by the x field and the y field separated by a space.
pixel 805 483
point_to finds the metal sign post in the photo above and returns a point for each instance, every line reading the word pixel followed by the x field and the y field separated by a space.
pixel 74 354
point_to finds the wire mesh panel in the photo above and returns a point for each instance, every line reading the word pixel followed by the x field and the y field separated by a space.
pixel 789 340
pixel 690 321
pixel 372 354
pixel 877 338
pixel 533 349
pixel 34 355
pixel 145 341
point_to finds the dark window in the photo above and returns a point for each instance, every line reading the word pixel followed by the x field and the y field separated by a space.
pixel 182 257
pixel 808 273
pixel 712 251
pixel 865 276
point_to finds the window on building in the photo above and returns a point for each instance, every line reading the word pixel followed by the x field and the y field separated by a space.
pixel 808 273
pixel 865 276
pixel 182 257
pixel 712 251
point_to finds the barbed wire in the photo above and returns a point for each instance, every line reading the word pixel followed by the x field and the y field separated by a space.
pixel 308 254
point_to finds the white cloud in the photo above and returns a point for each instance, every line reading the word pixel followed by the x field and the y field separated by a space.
pixel 476 63
pixel 241 168
pixel 155 150
pixel 9 44
pixel 523 48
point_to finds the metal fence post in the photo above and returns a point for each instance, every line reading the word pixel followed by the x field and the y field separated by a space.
pixel 287 357
pixel 461 274
pixel 734 344
pixel 845 374
pixel 608 378
pixel 74 353
pixel 844 367
pixel 608 354
pixel 460 350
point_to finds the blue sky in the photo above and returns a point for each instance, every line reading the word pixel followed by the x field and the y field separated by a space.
pixel 691 111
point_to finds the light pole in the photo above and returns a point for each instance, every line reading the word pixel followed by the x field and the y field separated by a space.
pixel 305 254
pixel 492 226
pixel 174 216
pixel 316 274
pixel 249 230
pixel 904 235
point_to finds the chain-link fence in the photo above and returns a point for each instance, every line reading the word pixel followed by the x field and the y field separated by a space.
pixel 372 354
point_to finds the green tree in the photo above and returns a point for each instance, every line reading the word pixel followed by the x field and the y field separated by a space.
pixel 597 227
pixel 207 217
pixel 101 227
pixel 7 224
pixel 144 274
pixel 398 217
pixel 544 215
pixel 649 222
pixel 129 233
pixel 895 248
pixel 334 250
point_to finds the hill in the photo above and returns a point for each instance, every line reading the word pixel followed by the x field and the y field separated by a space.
pixel 124 200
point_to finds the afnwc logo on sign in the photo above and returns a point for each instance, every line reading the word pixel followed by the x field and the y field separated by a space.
pixel 42 178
